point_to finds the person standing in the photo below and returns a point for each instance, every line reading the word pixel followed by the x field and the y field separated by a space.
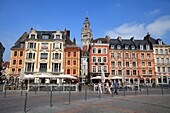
pixel 99 88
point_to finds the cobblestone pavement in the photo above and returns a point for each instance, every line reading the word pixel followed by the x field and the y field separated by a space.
pixel 132 102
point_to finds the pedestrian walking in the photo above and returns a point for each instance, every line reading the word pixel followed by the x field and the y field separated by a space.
pixel 99 88
pixel 116 87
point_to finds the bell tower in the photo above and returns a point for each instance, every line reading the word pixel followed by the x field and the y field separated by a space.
pixel 86 35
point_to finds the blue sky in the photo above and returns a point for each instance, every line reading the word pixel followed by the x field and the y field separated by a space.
pixel 125 18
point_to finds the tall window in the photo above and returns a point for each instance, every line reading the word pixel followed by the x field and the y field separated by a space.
pixel 143 72
pixel 149 64
pixel 99 69
pixel 20 62
pixel 158 69
pixel 44 55
pixel 161 51
pixel 94 50
pixel 99 50
pixel 148 56
pixel 19 71
pixel 134 72
pixel 119 72
pixel 57 36
pixel 156 51
pixel 43 67
pixel 157 60
pixel 68 71
pixel 127 64
pixel 21 53
pixel 105 69
pixel 150 72
pixel 14 62
pixel 167 60
pixel 104 59
pixel 142 55
pixel 99 59
pixel 127 55
pixel 162 60
pixel 74 71
pixel 134 64
pixel 68 62
pixel 127 72
pixel 31 45
pixel 163 69
pixel 69 54
pixel 166 51
pixel 74 54
pixel 119 63
pixel 13 71
pixel 112 63
pixel 105 51
pixel 15 53
pixel 143 63
pixel 113 72
pixel 169 69
pixel 56 55
pixel 94 68
pixel 94 59
pixel 112 55
pixel 119 55
pixel 133 55
pixel 74 62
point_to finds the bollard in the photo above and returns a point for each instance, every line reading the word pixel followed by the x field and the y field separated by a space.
pixel 5 92
pixel 124 90
pixel 70 96
pixel 162 89
pixel 147 89
pixel 21 90
pixel 85 93
pixel 25 105
pixel 51 99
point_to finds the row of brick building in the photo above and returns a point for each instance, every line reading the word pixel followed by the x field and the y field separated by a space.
pixel 135 61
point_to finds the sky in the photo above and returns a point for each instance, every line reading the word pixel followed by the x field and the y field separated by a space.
pixel 125 18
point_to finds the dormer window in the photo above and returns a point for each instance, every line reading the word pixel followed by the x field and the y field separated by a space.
pixel 147 47
pixel 57 36
pixel 45 36
pixel 160 42
pixel 32 36
pixel 112 46
pixel 133 47
pixel 141 47
pixel 99 41
pixel 118 47
pixel 126 46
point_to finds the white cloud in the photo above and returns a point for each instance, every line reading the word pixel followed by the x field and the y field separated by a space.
pixel 158 28
pixel 127 31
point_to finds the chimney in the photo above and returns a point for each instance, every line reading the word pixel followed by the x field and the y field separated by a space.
pixel 107 38
pixel 119 38
pixel 74 41
pixel 31 29
pixel 147 37
pixel 132 39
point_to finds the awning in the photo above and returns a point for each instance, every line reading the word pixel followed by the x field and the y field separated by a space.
pixel 44 75
pixel 116 77
pixel 66 76
pixel 98 77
